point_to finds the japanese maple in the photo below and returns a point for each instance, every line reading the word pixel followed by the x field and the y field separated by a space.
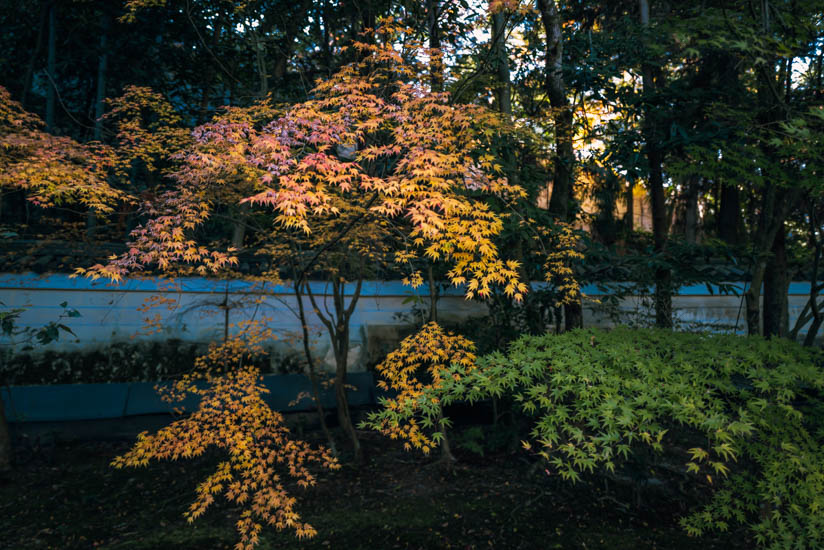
pixel 52 170
pixel 374 156
pixel 418 366
pixel 232 415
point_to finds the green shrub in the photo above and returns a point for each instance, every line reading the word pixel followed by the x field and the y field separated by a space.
pixel 744 414
pixel 147 361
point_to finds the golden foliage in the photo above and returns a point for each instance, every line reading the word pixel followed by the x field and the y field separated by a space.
pixel 233 416
pixel 52 170
pixel 562 250
pixel 374 148
pixel 418 364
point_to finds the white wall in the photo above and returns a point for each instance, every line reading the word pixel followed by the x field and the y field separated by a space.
pixel 193 311
pixel 111 313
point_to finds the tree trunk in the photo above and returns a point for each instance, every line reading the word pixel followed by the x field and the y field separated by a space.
pixel 815 243
pixel 663 275
pixel 262 69
pixel 436 56
pixel 102 63
pixel 776 287
pixel 555 88
pixel 729 215
pixel 341 344
pixel 51 63
pixel 326 37
pixel 691 211
pixel 239 229
pixel 38 46
pixel 629 216
pixel 775 206
pixel 338 328
pixel 753 298
pixel 210 80
pixel 503 92
pixel 344 415
pixel 433 295
pixel 313 377
pixel 774 201
pixel 100 96
pixel 564 161
pixel 447 458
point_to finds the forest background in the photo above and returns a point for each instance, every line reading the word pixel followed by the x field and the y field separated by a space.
pixel 481 145
pixel 706 118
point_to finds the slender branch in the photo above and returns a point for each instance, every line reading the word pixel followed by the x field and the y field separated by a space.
pixel 317 310
pixel 331 242
pixel 355 296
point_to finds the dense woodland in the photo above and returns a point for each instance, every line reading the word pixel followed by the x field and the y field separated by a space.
pixel 486 145
pixel 711 112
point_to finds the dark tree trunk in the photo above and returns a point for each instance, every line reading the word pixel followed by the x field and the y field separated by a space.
pixel 338 328
pixel 209 79
pixel 503 92
pixel 35 54
pixel 774 208
pixel 102 64
pixel 263 69
pixel 691 211
pixel 729 215
pixel 433 295
pixel 436 56
pixel 774 200
pixel 815 288
pixel 629 216
pixel 564 160
pixel 776 287
pixel 605 226
pixel 663 275
pixel 326 37
pixel 562 116
pixel 344 415
pixel 313 378
pixel 100 96
pixel 51 63
pixel 239 229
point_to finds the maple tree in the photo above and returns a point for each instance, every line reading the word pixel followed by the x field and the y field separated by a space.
pixel 413 371
pixel 147 131
pixel 232 415
pixel 373 157
pixel 52 170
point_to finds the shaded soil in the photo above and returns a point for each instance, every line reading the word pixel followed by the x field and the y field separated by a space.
pixel 65 496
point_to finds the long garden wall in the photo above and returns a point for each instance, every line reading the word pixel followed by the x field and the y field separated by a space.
pixel 199 310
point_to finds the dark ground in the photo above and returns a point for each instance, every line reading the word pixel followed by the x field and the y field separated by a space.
pixel 63 495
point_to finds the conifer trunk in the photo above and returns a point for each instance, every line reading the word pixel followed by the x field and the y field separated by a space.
pixel 663 275
pixel 51 64
pixel 776 287
pixel 562 116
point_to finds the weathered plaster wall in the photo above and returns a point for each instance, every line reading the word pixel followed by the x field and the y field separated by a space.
pixel 198 311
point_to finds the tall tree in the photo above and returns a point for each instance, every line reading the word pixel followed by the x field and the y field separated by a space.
pixel 563 178
pixel 652 136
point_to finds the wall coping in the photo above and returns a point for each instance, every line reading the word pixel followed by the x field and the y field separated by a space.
pixel 202 285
